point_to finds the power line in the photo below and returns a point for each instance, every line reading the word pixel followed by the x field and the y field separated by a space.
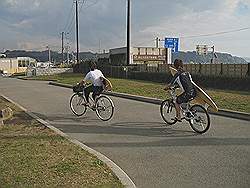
pixel 71 25
pixel 71 14
pixel 204 35
pixel 216 33
pixel 81 6
pixel 90 5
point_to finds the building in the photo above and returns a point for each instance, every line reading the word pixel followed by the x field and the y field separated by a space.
pixel 139 55
pixel 44 64
pixel 16 65
pixel 26 62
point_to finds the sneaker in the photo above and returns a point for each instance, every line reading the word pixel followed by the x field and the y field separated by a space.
pixel 192 121
pixel 176 119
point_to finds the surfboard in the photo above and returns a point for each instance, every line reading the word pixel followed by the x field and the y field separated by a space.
pixel 202 97
pixel 107 84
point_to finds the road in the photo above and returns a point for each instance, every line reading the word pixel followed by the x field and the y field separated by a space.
pixel 152 154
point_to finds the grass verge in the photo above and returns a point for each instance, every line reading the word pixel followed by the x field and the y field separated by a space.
pixel 226 99
pixel 32 155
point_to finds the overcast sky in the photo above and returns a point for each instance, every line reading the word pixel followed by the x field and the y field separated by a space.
pixel 34 24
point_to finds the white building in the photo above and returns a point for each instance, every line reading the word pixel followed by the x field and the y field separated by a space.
pixel 26 61
pixel 16 65
pixel 140 55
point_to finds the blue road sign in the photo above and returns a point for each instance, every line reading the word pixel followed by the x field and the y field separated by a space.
pixel 172 43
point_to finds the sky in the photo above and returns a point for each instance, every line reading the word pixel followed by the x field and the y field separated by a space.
pixel 35 24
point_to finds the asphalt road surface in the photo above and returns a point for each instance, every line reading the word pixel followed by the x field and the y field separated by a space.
pixel 152 154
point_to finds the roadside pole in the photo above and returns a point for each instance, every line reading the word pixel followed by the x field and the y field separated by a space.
pixel 77 34
pixel 62 46
pixel 128 32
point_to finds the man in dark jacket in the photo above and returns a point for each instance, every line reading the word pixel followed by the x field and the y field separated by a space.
pixel 184 81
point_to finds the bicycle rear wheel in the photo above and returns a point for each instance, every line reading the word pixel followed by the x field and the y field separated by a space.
pixel 200 120
pixel 104 108
pixel 77 104
pixel 168 112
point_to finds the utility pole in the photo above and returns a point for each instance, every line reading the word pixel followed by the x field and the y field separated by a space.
pixel 62 47
pixel 49 55
pixel 67 49
pixel 99 50
pixel 77 33
pixel 212 60
pixel 157 42
pixel 128 33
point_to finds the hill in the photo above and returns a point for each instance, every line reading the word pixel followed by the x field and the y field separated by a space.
pixel 247 59
pixel 222 58
pixel 43 55
pixel 187 57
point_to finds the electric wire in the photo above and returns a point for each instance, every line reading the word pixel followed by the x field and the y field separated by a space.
pixel 217 33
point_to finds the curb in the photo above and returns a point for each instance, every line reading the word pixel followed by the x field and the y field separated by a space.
pixel 122 176
pixel 25 78
pixel 221 112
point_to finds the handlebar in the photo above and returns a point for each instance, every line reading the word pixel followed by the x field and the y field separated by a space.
pixel 173 88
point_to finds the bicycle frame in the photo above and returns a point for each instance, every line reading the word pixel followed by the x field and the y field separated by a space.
pixel 102 104
pixel 195 114
pixel 91 100
pixel 185 107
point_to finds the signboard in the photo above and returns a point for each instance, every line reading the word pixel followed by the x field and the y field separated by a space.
pixel 201 49
pixel 149 57
pixel 172 43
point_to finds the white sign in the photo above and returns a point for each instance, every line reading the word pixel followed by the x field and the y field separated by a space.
pixel 201 49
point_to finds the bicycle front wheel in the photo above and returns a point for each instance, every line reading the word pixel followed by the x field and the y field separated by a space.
pixel 168 112
pixel 200 120
pixel 77 104
pixel 104 108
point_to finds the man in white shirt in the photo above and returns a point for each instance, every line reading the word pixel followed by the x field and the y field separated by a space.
pixel 94 76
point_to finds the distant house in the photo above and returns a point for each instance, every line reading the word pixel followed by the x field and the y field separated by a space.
pixel 15 65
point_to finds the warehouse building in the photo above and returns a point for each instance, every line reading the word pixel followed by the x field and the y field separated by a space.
pixel 140 55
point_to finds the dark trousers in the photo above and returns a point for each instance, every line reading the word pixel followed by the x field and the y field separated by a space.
pixel 97 90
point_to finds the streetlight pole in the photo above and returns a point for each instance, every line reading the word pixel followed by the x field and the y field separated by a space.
pixel 128 33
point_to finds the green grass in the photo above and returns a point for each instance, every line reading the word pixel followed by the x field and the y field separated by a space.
pixel 32 155
pixel 225 99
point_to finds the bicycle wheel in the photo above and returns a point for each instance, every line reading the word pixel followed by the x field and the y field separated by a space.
pixel 76 104
pixel 200 120
pixel 104 108
pixel 168 112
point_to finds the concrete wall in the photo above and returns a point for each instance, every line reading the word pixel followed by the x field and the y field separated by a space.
pixel 48 71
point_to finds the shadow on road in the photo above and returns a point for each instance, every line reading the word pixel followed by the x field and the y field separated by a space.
pixel 175 135
pixel 90 125
pixel 179 142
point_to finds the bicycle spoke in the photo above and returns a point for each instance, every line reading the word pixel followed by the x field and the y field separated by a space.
pixel 201 120
pixel 105 108
pixel 77 104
